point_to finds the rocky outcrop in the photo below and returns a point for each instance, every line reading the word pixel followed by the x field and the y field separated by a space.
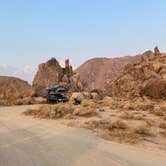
pixel 145 78
pixel 13 89
pixel 51 74
pixel 97 72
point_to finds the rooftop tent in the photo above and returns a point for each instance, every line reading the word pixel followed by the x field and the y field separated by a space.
pixel 58 88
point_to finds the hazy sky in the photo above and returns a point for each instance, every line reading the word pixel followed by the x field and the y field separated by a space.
pixel 32 31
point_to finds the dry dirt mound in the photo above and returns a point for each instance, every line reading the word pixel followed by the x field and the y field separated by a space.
pixel 13 89
pixel 145 78
pixel 96 72
pixel 51 73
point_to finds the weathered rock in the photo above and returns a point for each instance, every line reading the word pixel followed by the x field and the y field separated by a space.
pixel 155 88
pixel 145 78
pixel 51 74
pixel 156 51
pixel 13 89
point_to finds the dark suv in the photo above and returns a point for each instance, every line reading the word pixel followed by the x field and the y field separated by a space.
pixel 55 96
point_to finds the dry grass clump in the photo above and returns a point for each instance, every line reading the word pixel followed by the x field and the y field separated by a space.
pixel 51 111
pixel 150 122
pixel 142 130
pixel 121 136
pixel 91 124
pixel 113 103
pixel 119 124
pixel 4 102
pixel 145 106
pixel 159 111
pixel 138 105
pixel 61 110
pixel 127 135
pixel 88 103
pixel 100 124
pixel 81 111
pixel 163 133
pixel 107 101
pixel 106 124
pixel 162 125
pixel 131 115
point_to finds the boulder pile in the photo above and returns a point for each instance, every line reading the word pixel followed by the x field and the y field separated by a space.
pixel 146 78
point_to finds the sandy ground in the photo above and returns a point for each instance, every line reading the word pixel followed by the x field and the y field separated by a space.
pixel 25 141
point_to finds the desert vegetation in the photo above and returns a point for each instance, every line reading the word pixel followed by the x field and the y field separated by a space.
pixel 135 122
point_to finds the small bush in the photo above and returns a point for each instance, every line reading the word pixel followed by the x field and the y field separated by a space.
pixel 91 125
pixel 119 124
pixel 142 130
pixel 158 111
pixel 162 125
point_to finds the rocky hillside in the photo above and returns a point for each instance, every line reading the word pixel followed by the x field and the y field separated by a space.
pixel 13 89
pixel 51 74
pixel 147 77
pixel 95 73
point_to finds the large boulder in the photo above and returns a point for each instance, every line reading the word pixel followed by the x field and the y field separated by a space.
pixel 51 74
pixel 155 88
pixel 13 89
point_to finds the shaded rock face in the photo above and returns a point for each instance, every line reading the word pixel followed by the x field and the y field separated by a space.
pixel 98 72
pixel 13 89
pixel 51 74
pixel 145 78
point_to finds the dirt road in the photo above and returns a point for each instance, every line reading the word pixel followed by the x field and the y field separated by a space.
pixel 25 141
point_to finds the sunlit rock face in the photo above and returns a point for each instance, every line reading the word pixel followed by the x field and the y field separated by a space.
pixel 145 78
pixel 51 73
pixel 13 89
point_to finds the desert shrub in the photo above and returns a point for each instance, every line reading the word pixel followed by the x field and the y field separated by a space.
pixel 145 106
pixel 158 111
pixel 163 133
pixel 142 130
pixel 105 134
pixel 100 124
pixel 66 110
pixel 131 137
pixel 162 125
pixel 131 115
pixel 150 122
pixel 60 110
pixel 82 111
pixel 119 124
pixel 129 106
pixel 107 101
pixel 120 136
pixel 88 103
pixel 163 108
pixel 91 125
pixel 4 102
pixel 51 111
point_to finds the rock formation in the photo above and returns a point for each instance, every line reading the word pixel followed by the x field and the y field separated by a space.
pixel 145 78
pixel 97 72
pixel 51 74
pixel 13 89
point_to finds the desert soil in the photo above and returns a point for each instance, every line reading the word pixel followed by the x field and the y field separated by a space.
pixel 35 142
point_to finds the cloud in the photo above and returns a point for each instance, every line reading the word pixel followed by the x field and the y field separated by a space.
pixel 26 72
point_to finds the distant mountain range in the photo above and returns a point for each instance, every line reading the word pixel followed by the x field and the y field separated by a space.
pixel 26 72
